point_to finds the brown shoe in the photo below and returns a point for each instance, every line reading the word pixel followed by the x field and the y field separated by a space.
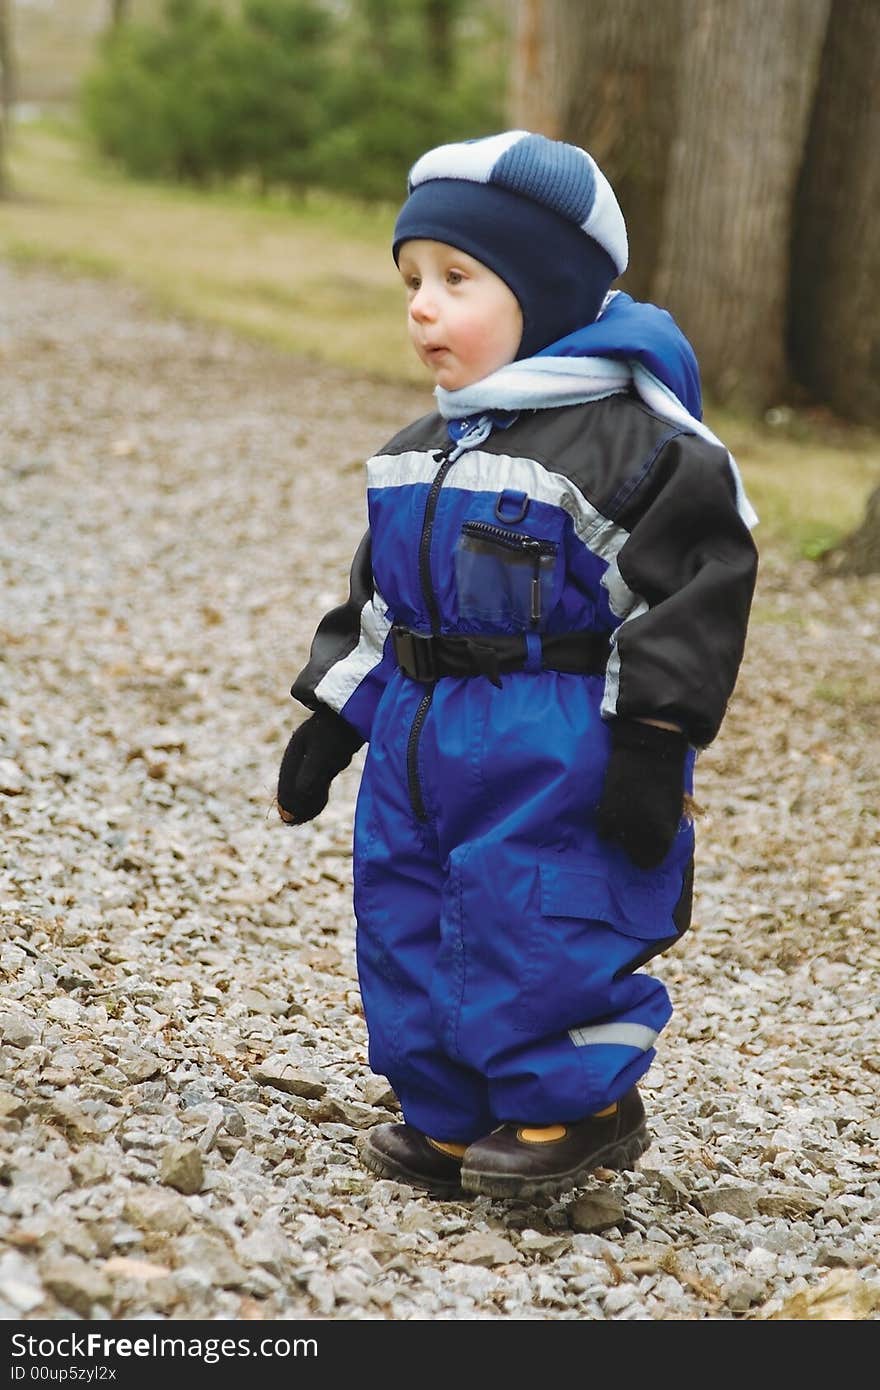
pixel 405 1154
pixel 521 1161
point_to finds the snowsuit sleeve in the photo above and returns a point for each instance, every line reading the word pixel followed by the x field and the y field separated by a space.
pixel 350 661
pixel 682 586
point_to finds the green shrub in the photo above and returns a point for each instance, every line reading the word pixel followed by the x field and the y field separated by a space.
pixel 207 96
pixel 289 93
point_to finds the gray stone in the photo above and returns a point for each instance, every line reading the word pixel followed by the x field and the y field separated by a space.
pixel 743 1293
pixel 76 1284
pixel 549 1247
pixel 17 1030
pixel 845 1254
pixel 284 1075
pixel 70 1118
pixel 673 1191
pixel 596 1211
pixel 23 1294
pixel 183 1167
pixel 619 1297
pixel 267 1247
pixel 44 1176
pixel 258 1003
pixel 12 780
pixel 741 1202
pixel 19 1282
pixel 377 1092
pixel 233 1121
pixel 142 1067
pixel 192 1097
pixel 152 1209
pixel 790 1201
pixel 12 1107
pixel 484 1249
pixel 213 1258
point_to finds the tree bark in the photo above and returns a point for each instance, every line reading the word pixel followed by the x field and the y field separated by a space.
pixel 440 16
pixel 603 76
pixel 747 78
pixel 834 323
pixel 859 553
pixel 7 79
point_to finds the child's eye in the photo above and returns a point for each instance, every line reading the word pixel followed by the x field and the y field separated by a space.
pixel 455 277
pixel 413 283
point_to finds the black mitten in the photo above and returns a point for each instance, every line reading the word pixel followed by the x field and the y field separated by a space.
pixel 643 797
pixel 317 751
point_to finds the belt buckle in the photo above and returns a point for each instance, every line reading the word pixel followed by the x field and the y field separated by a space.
pixel 415 655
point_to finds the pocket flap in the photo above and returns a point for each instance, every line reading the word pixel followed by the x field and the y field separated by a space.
pixel 637 906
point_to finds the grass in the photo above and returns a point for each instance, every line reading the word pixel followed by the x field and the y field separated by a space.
pixel 316 278
pixel 808 478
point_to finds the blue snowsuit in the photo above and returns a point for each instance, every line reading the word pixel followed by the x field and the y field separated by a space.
pixel 500 939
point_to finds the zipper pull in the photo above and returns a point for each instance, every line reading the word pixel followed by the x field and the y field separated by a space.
pixel 535 604
pixel 536 599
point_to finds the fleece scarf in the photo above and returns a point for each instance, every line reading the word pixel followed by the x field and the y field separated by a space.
pixel 631 345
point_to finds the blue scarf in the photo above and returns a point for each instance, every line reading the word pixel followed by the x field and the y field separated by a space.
pixel 631 345
pixel 628 331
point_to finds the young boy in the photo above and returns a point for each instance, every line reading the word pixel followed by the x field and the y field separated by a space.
pixel 546 621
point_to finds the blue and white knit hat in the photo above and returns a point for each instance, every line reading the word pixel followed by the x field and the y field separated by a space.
pixel 538 212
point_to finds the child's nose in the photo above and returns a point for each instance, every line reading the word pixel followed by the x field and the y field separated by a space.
pixel 422 306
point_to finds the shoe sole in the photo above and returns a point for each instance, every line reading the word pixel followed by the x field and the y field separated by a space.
pixel 622 1155
pixel 386 1168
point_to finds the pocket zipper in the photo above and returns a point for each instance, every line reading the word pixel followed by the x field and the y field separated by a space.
pixel 525 545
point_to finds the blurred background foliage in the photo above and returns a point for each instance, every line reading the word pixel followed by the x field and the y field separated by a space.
pixel 294 94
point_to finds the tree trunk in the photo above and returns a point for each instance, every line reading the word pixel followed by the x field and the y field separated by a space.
pixel 603 76
pixel 834 325
pixel 440 16
pixel 859 553
pixel 7 79
pixel 537 57
pixel 747 78
pixel 118 13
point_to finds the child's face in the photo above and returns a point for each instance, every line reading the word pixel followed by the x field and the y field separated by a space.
pixel 464 322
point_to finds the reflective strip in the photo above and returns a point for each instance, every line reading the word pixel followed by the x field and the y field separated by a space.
pixel 625 605
pixel 623 1034
pixel 342 680
pixel 479 472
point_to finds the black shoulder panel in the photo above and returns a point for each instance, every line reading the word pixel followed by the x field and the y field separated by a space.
pixel 427 433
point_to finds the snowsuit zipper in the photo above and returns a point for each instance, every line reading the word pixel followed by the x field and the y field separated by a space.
pixel 417 800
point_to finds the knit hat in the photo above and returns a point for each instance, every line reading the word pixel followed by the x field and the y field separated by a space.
pixel 538 212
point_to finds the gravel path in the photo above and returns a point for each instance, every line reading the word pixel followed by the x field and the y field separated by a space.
pixel 183 1077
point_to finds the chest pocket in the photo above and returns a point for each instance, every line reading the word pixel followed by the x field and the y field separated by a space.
pixel 506 578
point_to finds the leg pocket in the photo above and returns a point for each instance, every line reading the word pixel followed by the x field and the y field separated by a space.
pixel 648 905
pixel 597 924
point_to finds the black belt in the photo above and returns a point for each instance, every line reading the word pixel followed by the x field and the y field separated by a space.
pixel 426 658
